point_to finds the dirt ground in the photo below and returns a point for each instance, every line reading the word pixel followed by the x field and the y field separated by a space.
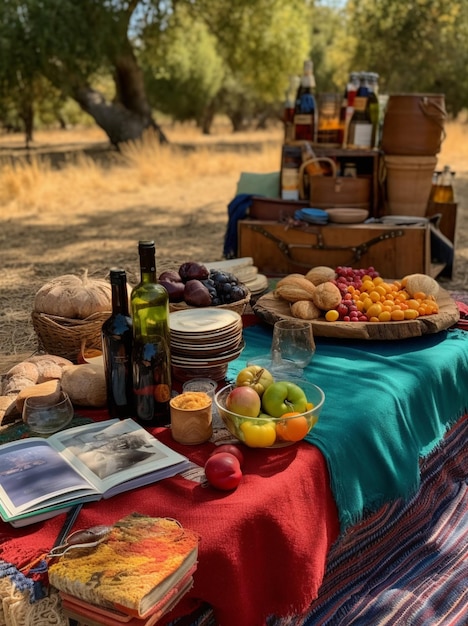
pixel 187 217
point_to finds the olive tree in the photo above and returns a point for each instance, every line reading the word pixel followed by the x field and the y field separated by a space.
pixel 250 45
pixel 414 46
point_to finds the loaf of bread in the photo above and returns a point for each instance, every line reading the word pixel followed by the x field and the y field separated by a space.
pixel 51 390
pixel 85 384
pixel 29 378
pixel 7 408
pixel 36 369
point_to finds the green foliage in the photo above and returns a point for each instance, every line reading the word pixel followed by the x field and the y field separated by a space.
pixel 419 46
pixel 232 57
pixel 225 56
pixel 182 68
pixel 331 47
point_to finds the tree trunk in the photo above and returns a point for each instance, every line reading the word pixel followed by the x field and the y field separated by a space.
pixel 207 117
pixel 130 115
pixel 26 114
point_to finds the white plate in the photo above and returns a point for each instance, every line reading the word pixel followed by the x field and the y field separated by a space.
pixel 403 219
pixel 202 320
pixel 224 357
pixel 206 336
pixel 259 284
pixel 191 351
pixel 234 338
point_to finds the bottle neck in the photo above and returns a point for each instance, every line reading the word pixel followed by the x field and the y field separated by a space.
pixel 148 265
pixel 119 294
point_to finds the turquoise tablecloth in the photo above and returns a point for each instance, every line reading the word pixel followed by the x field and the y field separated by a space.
pixel 387 404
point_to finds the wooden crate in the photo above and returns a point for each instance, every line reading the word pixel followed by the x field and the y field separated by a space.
pixel 278 249
pixel 365 161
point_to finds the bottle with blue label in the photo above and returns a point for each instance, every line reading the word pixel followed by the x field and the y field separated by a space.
pixel 305 110
pixel 117 344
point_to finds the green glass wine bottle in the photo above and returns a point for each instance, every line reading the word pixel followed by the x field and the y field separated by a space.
pixel 149 303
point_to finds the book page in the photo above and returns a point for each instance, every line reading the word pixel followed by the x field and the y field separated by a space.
pixel 32 473
pixel 117 453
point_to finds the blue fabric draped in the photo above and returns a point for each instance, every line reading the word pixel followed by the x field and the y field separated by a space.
pixel 387 404
pixel 237 210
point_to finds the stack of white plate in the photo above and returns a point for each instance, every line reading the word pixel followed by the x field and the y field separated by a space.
pixel 204 341
pixel 245 271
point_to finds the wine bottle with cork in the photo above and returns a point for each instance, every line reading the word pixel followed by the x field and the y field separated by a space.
pixel 117 341
pixel 360 127
pixel 149 303
pixel 305 110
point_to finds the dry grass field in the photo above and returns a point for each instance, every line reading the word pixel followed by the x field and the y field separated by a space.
pixel 70 203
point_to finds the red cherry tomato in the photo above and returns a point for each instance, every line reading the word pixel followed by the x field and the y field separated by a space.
pixel 230 449
pixel 223 471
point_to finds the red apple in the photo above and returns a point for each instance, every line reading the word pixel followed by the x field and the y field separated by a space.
pixel 243 401
pixel 223 471
pixel 230 449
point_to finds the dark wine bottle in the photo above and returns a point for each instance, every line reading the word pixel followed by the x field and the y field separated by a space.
pixel 117 340
pixel 151 359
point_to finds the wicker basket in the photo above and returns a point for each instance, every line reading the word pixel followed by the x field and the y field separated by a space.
pixel 65 337
pixel 238 307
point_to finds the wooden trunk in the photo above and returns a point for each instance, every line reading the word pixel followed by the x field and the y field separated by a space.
pixel 279 249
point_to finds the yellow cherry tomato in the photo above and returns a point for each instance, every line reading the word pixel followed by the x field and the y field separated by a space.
pixel 374 310
pixel 332 315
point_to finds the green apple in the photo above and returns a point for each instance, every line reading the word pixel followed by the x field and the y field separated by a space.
pixel 256 377
pixel 283 397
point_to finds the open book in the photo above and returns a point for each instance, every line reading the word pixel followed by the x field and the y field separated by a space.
pixel 43 476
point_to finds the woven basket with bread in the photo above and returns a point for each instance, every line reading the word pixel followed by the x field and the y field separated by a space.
pixel 69 312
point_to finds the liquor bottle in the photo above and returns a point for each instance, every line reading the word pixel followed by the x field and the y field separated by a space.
pixel 360 127
pixel 347 107
pixel 149 302
pixel 435 184
pixel 289 106
pixel 117 338
pixel 443 192
pixel 305 110
pixel 373 106
pixel 313 167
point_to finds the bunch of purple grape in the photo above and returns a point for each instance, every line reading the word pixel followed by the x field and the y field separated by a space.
pixel 224 287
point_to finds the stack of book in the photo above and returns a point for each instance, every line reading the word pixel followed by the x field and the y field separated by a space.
pixel 133 578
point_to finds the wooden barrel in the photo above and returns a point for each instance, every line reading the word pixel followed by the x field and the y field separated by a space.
pixel 414 124
pixel 408 183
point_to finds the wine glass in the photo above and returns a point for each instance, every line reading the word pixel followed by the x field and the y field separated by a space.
pixel 293 342
pixel 46 414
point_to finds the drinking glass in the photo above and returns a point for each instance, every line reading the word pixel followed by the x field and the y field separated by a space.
pixel 46 415
pixel 293 341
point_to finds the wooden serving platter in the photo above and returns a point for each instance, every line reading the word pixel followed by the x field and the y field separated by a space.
pixel 270 309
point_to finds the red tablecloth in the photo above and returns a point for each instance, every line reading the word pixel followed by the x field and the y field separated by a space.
pixel 263 547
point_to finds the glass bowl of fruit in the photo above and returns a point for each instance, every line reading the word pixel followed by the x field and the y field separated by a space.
pixel 284 413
